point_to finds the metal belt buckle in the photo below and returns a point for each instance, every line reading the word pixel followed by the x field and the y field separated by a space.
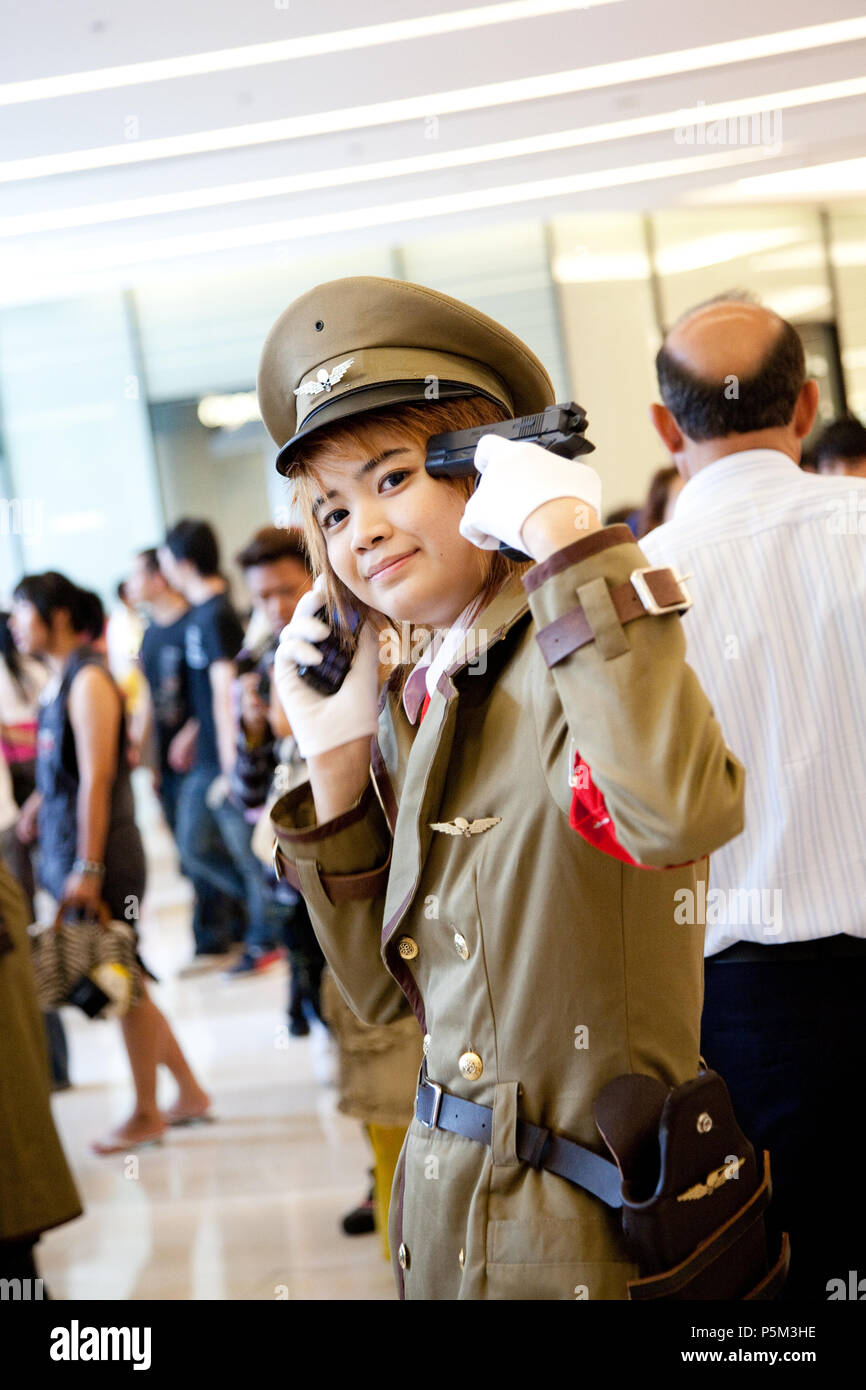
pixel 644 592
pixel 424 1080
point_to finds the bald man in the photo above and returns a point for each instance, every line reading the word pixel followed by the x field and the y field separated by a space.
pixel 776 635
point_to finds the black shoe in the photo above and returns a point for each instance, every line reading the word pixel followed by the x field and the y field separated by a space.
pixel 361 1221
pixel 298 1026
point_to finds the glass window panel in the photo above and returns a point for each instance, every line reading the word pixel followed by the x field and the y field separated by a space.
pixel 206 334
pixel 609 326
pixel 78 448
pixel 504 272
pixel 219 475
pixel 776 252
pixel 848 240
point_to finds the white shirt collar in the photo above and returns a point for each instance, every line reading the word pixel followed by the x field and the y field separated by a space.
pixel 436 657
pixel 717 479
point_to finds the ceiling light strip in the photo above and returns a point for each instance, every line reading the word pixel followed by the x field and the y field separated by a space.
pixel 409 108
pixel 322 224
pixel 63 219
pixel 286 50
pixel 838 178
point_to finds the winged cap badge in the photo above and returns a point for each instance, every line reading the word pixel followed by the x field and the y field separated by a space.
pixel 324 379
pixel 717 1178
pixel 461 826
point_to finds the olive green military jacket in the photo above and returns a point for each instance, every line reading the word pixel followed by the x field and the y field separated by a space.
pixel 36 1187
pixel 557 965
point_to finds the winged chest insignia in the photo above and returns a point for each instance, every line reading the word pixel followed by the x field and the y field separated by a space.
pixel 460 826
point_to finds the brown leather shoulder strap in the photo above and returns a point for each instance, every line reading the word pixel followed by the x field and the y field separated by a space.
pixel 572 631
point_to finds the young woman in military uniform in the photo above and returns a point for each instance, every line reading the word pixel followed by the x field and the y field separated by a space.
pixel 500 864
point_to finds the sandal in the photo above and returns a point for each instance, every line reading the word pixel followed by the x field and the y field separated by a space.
pixel 104 1147
pixel 185 1121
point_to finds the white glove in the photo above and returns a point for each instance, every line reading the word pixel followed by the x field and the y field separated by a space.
pixel 516 479
pixel 322 722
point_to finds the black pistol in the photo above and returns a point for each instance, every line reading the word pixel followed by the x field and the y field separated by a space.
pixel 559 428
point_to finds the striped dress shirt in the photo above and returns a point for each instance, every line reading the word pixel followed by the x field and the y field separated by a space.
pixel 777 636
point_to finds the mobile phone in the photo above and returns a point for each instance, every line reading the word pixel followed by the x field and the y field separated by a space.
pixel 329 675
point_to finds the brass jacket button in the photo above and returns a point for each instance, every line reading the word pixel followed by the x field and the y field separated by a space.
pixel 407 948
pixel 403 1257
pixel 471 1066
pixel 461 1258
pixel 460 946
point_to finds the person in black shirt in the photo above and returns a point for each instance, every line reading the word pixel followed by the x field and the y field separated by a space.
pixel 165 707
pixel 213 638
pixel 167 711
pixel 212 833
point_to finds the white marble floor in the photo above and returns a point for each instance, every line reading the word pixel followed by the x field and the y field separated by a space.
pixel 246 1208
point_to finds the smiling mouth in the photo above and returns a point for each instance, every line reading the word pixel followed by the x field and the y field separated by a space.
pixel 392 567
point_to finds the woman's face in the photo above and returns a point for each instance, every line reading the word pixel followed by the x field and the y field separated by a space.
pixel 387 507
pixel 29 632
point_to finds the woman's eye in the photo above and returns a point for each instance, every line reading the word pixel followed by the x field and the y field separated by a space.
pixel 332 519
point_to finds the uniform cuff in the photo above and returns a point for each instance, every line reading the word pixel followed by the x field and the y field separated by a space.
pixel 352 844
pixel 593 544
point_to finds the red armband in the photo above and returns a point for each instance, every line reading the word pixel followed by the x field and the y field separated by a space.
pixel 590 817
pixel 593 822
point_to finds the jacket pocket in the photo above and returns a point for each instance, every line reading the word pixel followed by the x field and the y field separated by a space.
pixel 557 1259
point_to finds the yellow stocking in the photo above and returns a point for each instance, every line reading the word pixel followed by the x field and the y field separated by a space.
pixel 387 1141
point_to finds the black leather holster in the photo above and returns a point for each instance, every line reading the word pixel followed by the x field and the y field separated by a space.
pixel 694 1193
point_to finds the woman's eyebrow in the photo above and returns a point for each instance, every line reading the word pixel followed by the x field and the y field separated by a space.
pixel 361 473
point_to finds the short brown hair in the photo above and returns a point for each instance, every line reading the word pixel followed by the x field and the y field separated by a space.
pixel 271 544
pixel 419 423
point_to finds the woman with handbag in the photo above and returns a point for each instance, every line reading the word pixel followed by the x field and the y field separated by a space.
pixel 90 847
pixel 22 680
pixel 494 837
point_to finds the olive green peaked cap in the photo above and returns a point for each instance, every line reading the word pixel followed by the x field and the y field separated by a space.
pixel 358 344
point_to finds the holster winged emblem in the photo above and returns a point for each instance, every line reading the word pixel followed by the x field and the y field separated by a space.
pixel 716 1179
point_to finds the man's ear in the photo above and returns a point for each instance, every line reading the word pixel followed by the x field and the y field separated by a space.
pixel 667 429
pixel 806 408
